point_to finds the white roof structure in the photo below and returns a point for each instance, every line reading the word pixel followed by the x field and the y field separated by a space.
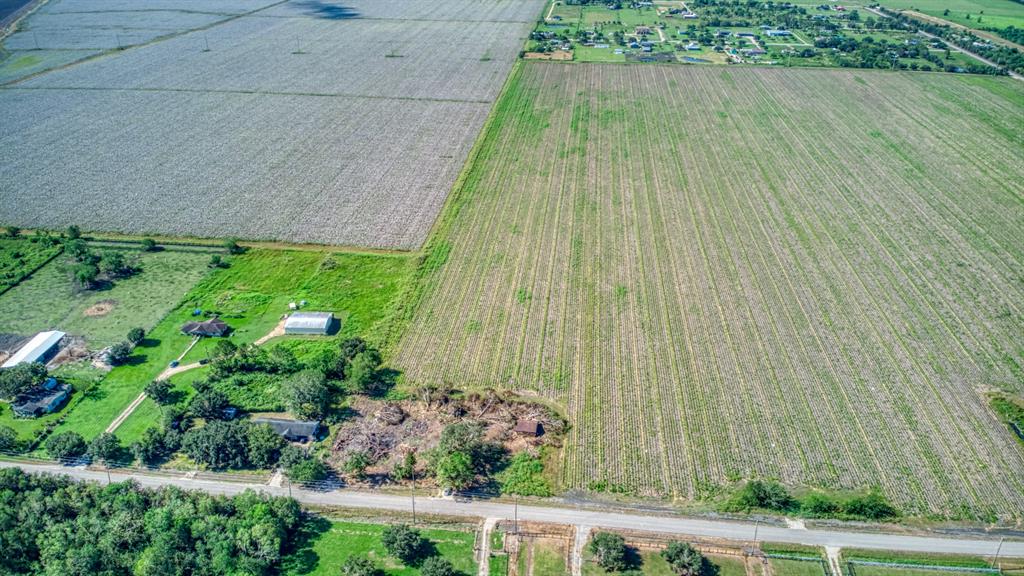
pixel 36 348
pixel 307 322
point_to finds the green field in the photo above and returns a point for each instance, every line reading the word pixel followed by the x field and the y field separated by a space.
pixel 993 13
pixel 48 300
pixel 251 295
pixel 651 563
pixel 329 544
pixel 541 558
pixel 827 310
pixel 19 258
pixel 798 567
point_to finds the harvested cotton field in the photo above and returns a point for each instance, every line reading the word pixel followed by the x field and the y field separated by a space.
pixel 299 122
pixel 723 274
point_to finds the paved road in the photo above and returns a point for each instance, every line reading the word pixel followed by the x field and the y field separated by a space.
pixel 740 531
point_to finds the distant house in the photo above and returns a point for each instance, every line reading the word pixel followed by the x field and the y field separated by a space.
pixel 206 328
pixel 42 399
pixel 41 348
pixel 641 30
pixel 529 428
pixel 292 430
pixel 309 323
pixel 777 33
pixel 693 46
pixel 690 16
pixel 745 34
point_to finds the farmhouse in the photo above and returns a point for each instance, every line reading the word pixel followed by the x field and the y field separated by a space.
pixel 779 33
pixel 529 428
pixel 207 328
pixel 42 399
pixel 40 348
pixel 309 323
pixel 292 430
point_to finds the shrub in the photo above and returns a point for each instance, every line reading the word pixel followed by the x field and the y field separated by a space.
pixel 74 232
pixel 872 506
pixel 820 505
pixel 66 445
pixel 763 494
pixel 609 550
pixel 148 245
pixel 524 476
pixel 406 469
pixel 356 465
pixel 232 247
pixel 455 471
pixel 404 543
pixel 299 466
pixel 360 566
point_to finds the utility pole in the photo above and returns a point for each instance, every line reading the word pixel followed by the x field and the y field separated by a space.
pixel 757 523
pixel 413 493
pixel 516 522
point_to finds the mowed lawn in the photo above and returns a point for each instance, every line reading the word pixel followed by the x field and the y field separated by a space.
pixel 808 275
pixel 329 544
pixel 48 300
pixel 251 295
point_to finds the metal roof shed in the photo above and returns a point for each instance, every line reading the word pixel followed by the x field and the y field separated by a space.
pixel 37 349
pixel 309 323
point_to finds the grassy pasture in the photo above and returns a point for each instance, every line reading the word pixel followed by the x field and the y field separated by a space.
pixel 826 310
pixel 19 257
pixel 328 546
pixel 48 300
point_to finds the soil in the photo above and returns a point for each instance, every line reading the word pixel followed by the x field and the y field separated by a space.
pixel 101 308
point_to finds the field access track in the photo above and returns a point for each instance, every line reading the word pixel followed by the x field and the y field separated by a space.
pixel 297 120
pixel 802 274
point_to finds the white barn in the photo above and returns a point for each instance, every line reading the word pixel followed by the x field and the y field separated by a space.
pixel 39 349
pixel 308 323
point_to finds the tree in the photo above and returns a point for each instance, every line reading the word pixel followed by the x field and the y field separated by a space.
pixel 684 559
pixel 360 566
pixel 455 471
pixel 223 349
pixel 136 335
pixel 208 403
pixel 356 465
pixel 8 439
pixel 216 262
pixel 119 353
pixel 609 550
pixel 85 274
pixel 763 494
pixel 300 466
pixel 872 506
pixel 19 378
pixel 155 445
pixel 403 542
pixel 306 394
pixel 13 231
pixel 218 444
pixel 66 445
pixel 74 232
pixel 406 469
pixel 264 446
pixel 361 373
pixel 160 391
pixel 817 504
pixel 438 566
pixel 112 263
pixel 105 448
pixel 148 245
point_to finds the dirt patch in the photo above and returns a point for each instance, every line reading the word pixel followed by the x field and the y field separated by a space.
pixel 101 308
pixel 557 55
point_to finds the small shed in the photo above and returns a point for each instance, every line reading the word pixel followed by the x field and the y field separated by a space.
pixel 529 428
pixel 309 323
pixel 40 348
pixel 206 328
pixel 292 430
pixel 43 399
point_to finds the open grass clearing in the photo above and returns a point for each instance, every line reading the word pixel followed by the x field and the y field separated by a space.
pixel 827 310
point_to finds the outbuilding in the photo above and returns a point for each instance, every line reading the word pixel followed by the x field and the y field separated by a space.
pixel 40 348
pixel 292 430
pixel 309 323
pixel 529 428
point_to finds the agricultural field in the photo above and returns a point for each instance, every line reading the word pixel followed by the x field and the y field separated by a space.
pixel 733 273
pixel 296 121
pixel 994 14
pixel 102 317
pixel 329 544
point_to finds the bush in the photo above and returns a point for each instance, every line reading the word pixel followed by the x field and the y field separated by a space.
pixel 455 471
pixel 872 506
pixel 360 566
pixel 610 551
pixel 438 566
pixel 406 469
pixel 763 494
pixel 302 467
pixel 148 245
pixel 232 247
pixel 818 505
pixel 404 543
pixel 74 232
pixel 684 559
pixel 66 445
pixel 356 465
pixel 525 477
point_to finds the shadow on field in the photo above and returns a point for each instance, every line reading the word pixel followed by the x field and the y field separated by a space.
pixel 328 10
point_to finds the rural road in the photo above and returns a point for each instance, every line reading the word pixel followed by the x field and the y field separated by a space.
pixel 953 46
pixel 741 531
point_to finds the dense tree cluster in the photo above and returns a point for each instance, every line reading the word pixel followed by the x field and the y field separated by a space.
pixel 18 379
pixel 462 453
pixel 52 525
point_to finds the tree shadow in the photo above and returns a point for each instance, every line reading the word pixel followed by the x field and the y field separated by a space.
pixel 148 342
pixel 384 381
pixel 633 559
pixel 303 559
pixel 134 360
pixel 426 550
